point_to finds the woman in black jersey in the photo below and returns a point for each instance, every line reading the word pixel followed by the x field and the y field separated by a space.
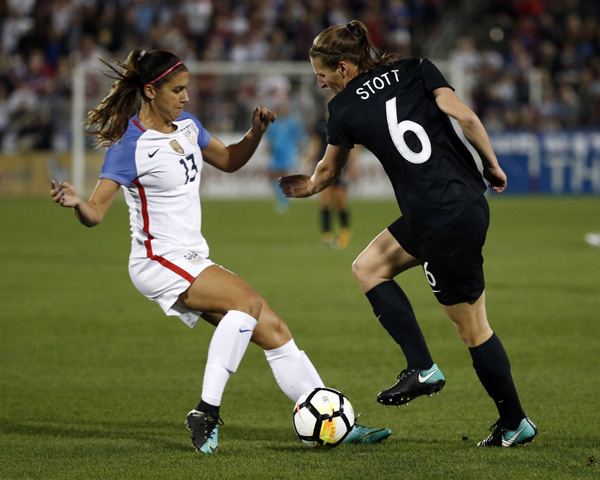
pixel 401 111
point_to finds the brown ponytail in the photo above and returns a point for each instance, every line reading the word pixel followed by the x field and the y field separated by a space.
pixel 352 43
pixel 110 118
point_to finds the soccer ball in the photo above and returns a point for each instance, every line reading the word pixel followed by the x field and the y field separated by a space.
pixel 323 418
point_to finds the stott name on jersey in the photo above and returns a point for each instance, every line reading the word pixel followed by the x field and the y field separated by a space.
pixel 378 83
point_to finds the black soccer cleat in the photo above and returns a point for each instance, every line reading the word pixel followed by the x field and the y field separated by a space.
pixel 204 430
pixel 502 437
pixel 412 384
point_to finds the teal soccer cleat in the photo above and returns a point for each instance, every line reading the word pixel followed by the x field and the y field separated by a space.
pixel 502 437
pixel 204 430
pixel 360 434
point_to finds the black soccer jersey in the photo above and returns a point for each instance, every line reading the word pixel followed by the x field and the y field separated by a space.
pixel 392 112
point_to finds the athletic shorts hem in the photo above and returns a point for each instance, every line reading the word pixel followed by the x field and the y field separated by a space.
pixel 451 258
pixel 164 278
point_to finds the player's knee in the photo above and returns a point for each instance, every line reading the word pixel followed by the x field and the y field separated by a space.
pixel 356 268
pixel 251 303
pixel 473 334
pixel 362 271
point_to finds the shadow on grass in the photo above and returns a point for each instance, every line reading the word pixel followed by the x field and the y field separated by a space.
pixel 154 433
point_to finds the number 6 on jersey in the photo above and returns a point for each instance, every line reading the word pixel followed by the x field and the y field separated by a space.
pixel 397 131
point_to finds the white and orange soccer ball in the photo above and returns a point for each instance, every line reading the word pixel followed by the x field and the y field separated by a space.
pixel 323 418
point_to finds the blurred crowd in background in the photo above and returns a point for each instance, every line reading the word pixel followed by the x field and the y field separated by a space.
pixel 532 64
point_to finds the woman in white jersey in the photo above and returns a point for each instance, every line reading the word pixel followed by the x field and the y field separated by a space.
pixel 400 110
pixel 157 157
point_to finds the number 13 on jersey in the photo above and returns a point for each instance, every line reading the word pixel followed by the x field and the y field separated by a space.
pixel 190 172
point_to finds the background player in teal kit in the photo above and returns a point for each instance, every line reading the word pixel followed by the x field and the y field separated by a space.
pixel 286 138
pixel 399 110
pixel 157 158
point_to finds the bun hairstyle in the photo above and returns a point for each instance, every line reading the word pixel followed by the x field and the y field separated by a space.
pixel 110 118
pixel 351 43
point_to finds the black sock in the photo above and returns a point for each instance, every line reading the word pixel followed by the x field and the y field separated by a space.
pixel 394 312
pixel 344 220
pixel 493 369
pixel 325 220
pixel 208 408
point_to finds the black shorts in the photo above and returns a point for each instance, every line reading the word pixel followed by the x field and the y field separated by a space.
pixel 451 258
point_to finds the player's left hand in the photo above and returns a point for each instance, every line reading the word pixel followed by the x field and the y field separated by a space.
pixel 262 117
pixel 496 178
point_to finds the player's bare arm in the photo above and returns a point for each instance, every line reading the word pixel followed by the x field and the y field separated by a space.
pixel 233 157
pixel 89 212
pixel 327 171
pixel 473 129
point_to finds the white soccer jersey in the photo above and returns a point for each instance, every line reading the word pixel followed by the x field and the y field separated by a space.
pixel 160 174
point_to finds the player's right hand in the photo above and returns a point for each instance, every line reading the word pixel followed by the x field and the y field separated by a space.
pixel 296 186
pixel 64 194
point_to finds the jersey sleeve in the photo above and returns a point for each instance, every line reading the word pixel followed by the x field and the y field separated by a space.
pixel 335 132
pixel 119 163
pixel 203 135
pixel 433 77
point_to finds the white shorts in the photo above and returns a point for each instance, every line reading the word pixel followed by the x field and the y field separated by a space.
pixel 163 278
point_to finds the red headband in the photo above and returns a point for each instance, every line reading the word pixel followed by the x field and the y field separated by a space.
pixel 164 74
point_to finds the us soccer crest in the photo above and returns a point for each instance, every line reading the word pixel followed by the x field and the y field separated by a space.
pixel 194 258
pixel 189 134
pixel 175 146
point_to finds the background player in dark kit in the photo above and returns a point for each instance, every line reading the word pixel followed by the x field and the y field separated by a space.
pixel 399 110
pixel 333 198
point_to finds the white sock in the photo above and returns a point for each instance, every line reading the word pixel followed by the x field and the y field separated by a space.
pixel 227 347
pixel 294 372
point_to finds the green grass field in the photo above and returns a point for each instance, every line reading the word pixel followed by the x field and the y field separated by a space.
pixel 95 382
